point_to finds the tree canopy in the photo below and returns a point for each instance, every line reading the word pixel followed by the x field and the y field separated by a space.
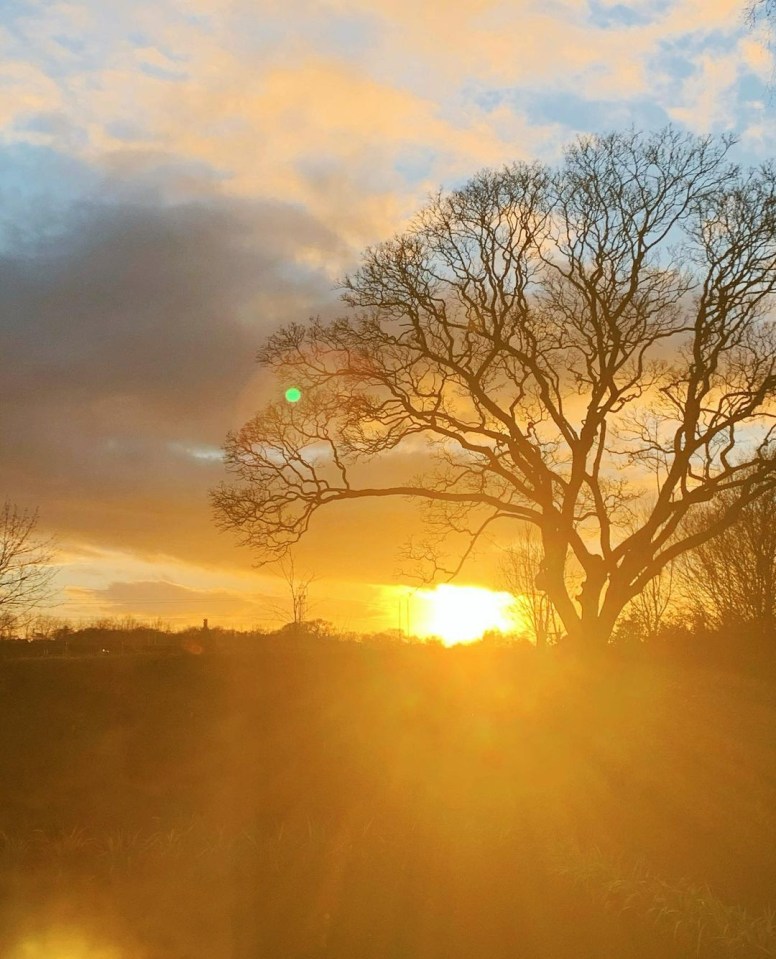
pixel 586 348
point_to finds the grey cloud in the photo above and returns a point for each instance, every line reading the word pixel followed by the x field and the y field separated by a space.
pixel 128 335
pixel 172 602
pixel 161 303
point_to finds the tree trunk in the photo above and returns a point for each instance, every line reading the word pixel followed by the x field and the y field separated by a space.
pixel 589 622
pixel 590 616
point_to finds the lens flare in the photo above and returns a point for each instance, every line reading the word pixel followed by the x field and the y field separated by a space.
pixel 61 944
pixel 293 394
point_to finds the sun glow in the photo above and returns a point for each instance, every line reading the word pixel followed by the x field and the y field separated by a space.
pixel 59 944
pixel 460 614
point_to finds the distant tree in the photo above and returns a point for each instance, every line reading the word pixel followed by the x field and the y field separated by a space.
pixel 26 573
pixel 520 571
pixel 387 639
pixel 41 626
pixel 551 338
pixel 298 593
pixel 654 604
pixel 730 581
pixel 310 629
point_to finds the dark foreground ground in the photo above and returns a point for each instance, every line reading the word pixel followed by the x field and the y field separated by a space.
pixel 416 803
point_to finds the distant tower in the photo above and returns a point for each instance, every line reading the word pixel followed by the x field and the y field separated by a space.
pixel 204 625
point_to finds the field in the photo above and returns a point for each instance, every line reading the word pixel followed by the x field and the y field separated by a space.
pixel 340 802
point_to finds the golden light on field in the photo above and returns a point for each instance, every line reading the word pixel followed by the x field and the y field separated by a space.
pixel 61 944
pixel 461 614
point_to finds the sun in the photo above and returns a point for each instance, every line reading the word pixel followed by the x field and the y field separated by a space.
pixel 460 614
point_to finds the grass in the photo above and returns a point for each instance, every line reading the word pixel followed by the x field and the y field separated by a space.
pixel 694 916
pixel 341 802
pixel 675 917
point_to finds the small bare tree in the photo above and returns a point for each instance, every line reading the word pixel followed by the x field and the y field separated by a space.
pixel 653 605
pixel 730 580
pixel 549 338
pixel 520 572
pixel 25 566
pixel 298 592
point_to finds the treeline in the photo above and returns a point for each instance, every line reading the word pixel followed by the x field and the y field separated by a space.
pixel 691 641
pixel 50 637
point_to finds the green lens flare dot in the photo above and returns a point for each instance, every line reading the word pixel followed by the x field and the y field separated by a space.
pixel 293 395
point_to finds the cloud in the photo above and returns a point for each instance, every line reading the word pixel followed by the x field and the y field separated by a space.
pixel 132 327
pixel 266 606
pixel 723 88
pixel 25 89
pixel 331 105
pixel 173 604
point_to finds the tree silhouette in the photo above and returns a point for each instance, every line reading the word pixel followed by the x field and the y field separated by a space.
pixel 731 579
pixel 519 571
pixel 572 347
pixel 652 607
pixel 298 593
pixel 25 571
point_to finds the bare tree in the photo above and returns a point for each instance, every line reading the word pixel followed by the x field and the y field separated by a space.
pixel 520 570
pixel 730 580
pixel 550 339
pixel 654 604
pixel 25 566
pixel 298 591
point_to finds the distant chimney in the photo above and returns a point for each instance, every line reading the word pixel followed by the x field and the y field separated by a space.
pixel 204 625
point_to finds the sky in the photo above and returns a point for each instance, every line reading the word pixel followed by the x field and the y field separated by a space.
pixel 179 178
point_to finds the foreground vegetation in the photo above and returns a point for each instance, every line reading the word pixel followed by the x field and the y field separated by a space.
pixel 310 799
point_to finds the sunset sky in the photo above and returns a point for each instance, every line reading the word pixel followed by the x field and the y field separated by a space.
pixel 180 177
